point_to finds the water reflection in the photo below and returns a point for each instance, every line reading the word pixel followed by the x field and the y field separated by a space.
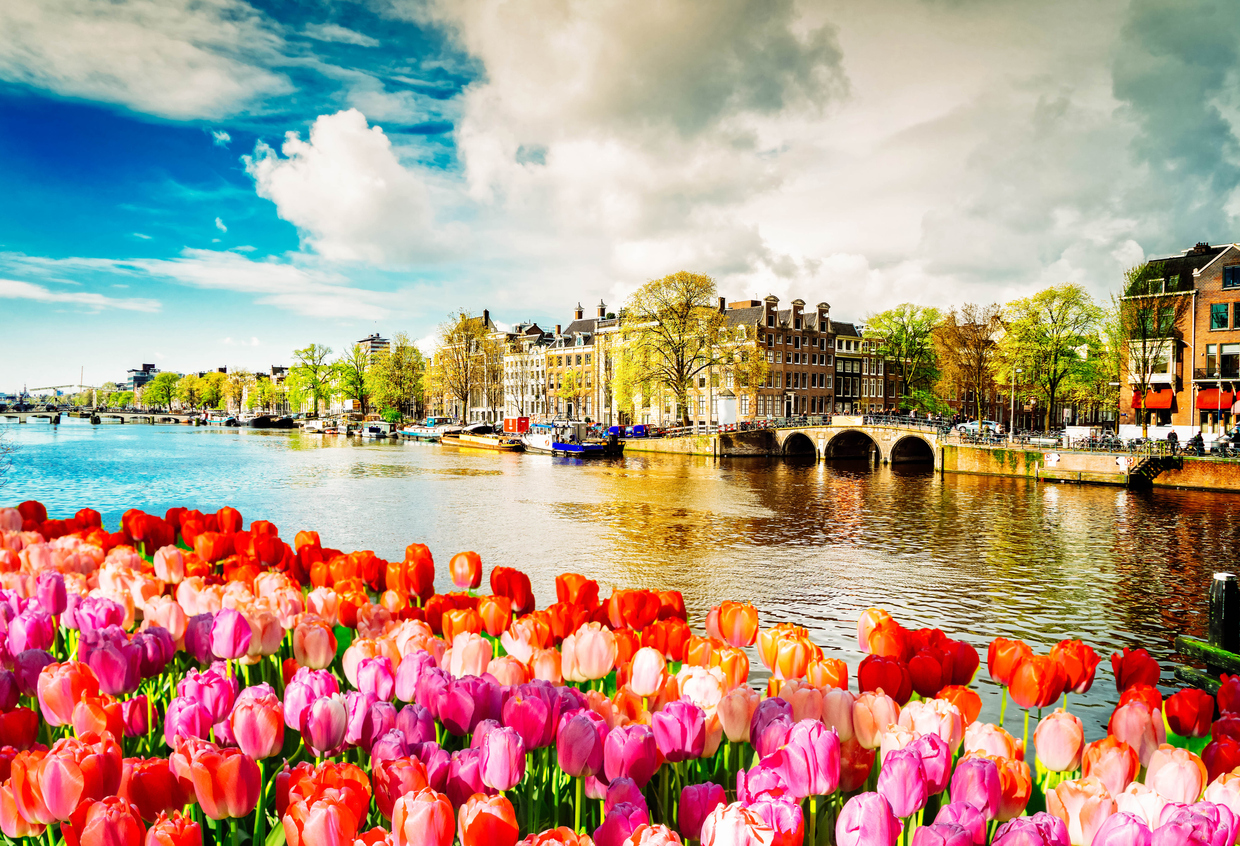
pixel 807 542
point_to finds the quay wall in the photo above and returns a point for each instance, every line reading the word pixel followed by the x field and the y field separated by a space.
pixel 727 444
pixel 1202 474
pixel 991 461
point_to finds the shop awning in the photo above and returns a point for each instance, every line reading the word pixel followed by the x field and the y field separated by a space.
pixel 1208 399
pixel 1153 399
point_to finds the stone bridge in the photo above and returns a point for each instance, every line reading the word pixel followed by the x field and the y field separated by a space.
pixel 851 438
pixel 98 416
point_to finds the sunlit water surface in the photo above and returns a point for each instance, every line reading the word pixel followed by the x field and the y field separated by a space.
pixel 808 543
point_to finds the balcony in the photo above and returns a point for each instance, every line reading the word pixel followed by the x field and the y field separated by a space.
pixel 1228 374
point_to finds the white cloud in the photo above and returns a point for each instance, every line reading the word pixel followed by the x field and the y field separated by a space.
pixel 229 342
pixel 347 193
pixel 337 33
pixel 180 59
pixel 220 138
pixel 17 290
pixel 143 237
pixel 219 224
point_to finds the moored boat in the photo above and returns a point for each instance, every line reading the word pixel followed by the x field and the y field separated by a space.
pixel 503 443
pixel 570 437
pixel 432 429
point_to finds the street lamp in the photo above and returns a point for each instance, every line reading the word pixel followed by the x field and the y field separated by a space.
pixel 1218 400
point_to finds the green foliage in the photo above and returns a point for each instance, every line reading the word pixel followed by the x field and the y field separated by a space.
pixel 396 377
pixel 313 374
pixel 906 336
pixel 158 393
pixel 352 372
pixel 391 415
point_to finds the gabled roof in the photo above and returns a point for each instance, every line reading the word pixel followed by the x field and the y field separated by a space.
pixel 582 327
pixel 1222 252
pixel 1178 270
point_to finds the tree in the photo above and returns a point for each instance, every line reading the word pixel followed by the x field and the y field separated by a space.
pixel 313 373
pixel 906 336
pixel 675 331
pixel 747 363
pixel 189 391
pixel 397 376
pixel 458 361
pixel 159 391
pixel 123 399
pixel 212 390
pixel 491 368
pixel 571 391
pixel 236 386
pixel 352 375
pixel 1046 333
pixel 967 348
pixel 1149 317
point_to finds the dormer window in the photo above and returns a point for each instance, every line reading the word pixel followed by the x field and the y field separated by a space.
pixel 770 320
pixel 1231 277
pixel 798 323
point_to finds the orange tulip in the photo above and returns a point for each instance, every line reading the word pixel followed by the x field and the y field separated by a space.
pixel 228 519
pixel 634 609
pixel 174 830
pixel 460 620
pixel 964 698
pixel 1037 681
pixel 734 622
pixel 12 823
pixel 111 821
pixel 226 782
pixel 827 672
pixel 1083 804
pixel 496 614
pixel 466 570
pixel 27 792
pixel 328 821
pixel 546 665
pixel 574 589
pixel 733 663
pixel 866 623
pixel 213 546
pixel 423 818
pixel 1003 656
pixel 60 686
pixel 1112 761
pixel 347 781
pixel 488 821
pixel 699 650
pixel 787 651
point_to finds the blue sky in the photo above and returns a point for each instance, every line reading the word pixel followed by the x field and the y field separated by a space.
pixel 199 183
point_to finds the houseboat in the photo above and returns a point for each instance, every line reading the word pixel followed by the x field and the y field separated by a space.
pixel 482 436
pixel 431 429
pixel 570 437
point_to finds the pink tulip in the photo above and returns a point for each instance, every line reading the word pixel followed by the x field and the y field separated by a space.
pixel 976 782
pixel 1142 802
pixel 1083 804
pixel 410 670
pixel 934 716
pixel 508 671
pixel 1041 829
pixel 230 634
pixel 736 825
pixel 866 820
pixel 989 739
pixel 589 653
pixel 631 752
pixel 873 714
pixel 902 782
pixel 1121 829
pixel 212 688
pixel 502 759
pixel 680 731
pixel 652 835
pixel 469 656
pixel 423 818
pixel 696 803
pixel 375 676
pixel 185 719
pixel 967 817
pixel 936 760
pixel 647 672
pixel 1176 774
pixel 366 719
pixel 1225 790
pixel 324 723
pixel 1059 740
pixel 942 834
pixel 621 791
pixel 809 760
pixel 464 777
pixel 169 565
pixel 837 712
pixel 619 823
pixel 736 711
pixel 258 724
pixel 1142 729
pixel 783 816
pixel 579 743
pixel 305 687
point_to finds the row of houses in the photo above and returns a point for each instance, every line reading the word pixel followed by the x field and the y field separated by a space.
pixel 814 365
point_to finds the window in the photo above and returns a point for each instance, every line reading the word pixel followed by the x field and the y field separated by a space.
pixel 1231 277
pixel 587 358
pixel 770 357
pixel 1229 360
pixel 798 323
pixel 866 366
pixel 1218 316
pixel 1235 310
pixel 779 358
pixel 796 342
pixel 829 379
pixel 880 367
pixel 779 379
pixel 770 320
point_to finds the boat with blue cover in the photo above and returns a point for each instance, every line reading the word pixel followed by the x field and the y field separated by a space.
pixel 569 437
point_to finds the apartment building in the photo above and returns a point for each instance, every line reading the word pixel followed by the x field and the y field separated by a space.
pixel 525 372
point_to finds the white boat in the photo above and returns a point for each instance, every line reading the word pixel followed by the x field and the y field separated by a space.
pixel 377 429
pixel 432 429
pixel 569 437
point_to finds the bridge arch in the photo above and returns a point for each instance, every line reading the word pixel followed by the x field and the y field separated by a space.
pixel 798 443
pixel 912 448
pixel 851 443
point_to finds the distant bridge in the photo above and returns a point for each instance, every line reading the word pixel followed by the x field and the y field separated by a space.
pixel 95 416
pixel 876 439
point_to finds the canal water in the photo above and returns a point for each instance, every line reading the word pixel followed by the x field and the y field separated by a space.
pixel 811 543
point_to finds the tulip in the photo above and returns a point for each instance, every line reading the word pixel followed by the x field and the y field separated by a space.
pixel 1003 657
pixel 866 820
pixel 1037 681
pixel 784 818
pixel 827 672
pixel 226 782
pixel 588 654
pixel 174 830
pixel 647 672
pixel 117 665
pixel 631 752
pixel 1142 802
pixel 809 761
pixel 1121 829
pixel 1060 741
pixel 697 801
pixel 1041 829
pixel 487 820
pixel 1225 790
pixel 935 716
pixel 396 778
pixel 786 651
pixel 77 771
pixel 1135 666
pixel 215 690
pixel 113 821
pixel 464 777
pixel 169 564
pixel 19 727
pixel 886 675
pixel 30 630
pixel 304 688
pixel 198 637
pixel 902 782
pixel 503 759
pixel 1190 712
pixel 1112 761
pixel 976 782
pixel 735 824
pixel 1015 787
pixel 619 824
pixel 466 570
pixel 328 821
pixel 258 724
pixel 936 761
pixel 1083 804
pixel 1149 696
pixel 60 686
pixel 151 786
pixel 375 677
pixel 1221 755
pixel 579 743
pixel 967 817
pixel 423 818
pixel 1176 774
pixel 680 731
pixel 496 614
pixel 27 666
pixel 873 713
pixel 184 719
pixel 366 719
pixel 324 723
pixel 1139 727
pixel 1078 661
pixel 942 834
pixel 837 712
pixel 314 645
pixel 736 623
pixel 736 710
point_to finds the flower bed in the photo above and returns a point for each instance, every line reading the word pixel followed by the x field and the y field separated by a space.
pixel 185 680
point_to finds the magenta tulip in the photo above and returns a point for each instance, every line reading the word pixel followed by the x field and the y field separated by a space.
pixel 631 752
pixel 502 759
pixel 902 782
pixel 305 687
pixel 416 723
pixel 464 777
pixel 619 823
pixel 136 714
pixel 257 723
pixel 579 743
pixel 759 782
pixel 31 630
pixel 623 791
pixel 198 637
pixel 366 719
pixel 942 834
pixel 158 648
pixel 1041 829
pixel 375 676
pixel 867 820
pixel 976 782
pixel 680 731
pixel 186 719
pixel 405 682
pixel 27 666
pixel 324 723
pixel 1123 829
pixel 936 760
pixel 781 815
pixel 214 690
pixel 118 666
pixel 696 801
pixel 809 760
pixel 967 817
pixel 50 589
pixel 230 634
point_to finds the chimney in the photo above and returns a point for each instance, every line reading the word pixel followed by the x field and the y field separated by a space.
pixel 580 312
pixel 602 310
pixel 723 304
pixel 486 317
pixel 557 329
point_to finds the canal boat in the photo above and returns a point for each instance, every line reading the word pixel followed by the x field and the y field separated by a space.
pixel 431 429
pixel 569 437
pixel 374 427
pixel 483 436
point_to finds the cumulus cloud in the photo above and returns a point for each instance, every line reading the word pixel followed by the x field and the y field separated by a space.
pixel 14 289
pixel 179 59
pixel 347 193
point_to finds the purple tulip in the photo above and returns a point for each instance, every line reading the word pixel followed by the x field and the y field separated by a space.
pixel 116 663
pixel 27 666
pixel 31 630
pixel 967 817
pixel 405 682
pixel 680 730
pixel 10 691
pixel 137 714
pixel 502 758
pixel 304 688
pixel 630 752
pixel 158 647
pixel 389 747
pixel 438 763
pixel 1123 829
pixel 936 761
pixel 696 802
pixel 323 725
pixel 416 723
pixel 809 760
pixel 465 777
pixel 1041 829
pixel 579 743
pixel 771 736
pixel 768 709
pixel 186 718
pixel 529 714
pixel 368 720
pixel 50 590
pixel 213 689
pixel 619 823
pixel 622 791
pixel 867 820
pixel 942 834
pixel 198 637
pixel 976 782
pixel 902 782
pixel 375 676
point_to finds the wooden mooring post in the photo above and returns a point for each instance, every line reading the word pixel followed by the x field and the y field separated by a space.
pixel 1220 652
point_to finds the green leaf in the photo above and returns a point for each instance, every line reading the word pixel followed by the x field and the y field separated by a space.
pixel 275 837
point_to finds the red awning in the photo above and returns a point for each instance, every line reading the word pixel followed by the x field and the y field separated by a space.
pixel 1208 399
pixel 1153 399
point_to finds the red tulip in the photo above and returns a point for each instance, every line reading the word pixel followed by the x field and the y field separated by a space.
pixel 415 575
pixel 1221 755
pixel 226 782
pixel 19 727
pixel 1036 682
pixel 575 589
pixel 78 770
pixel 174 830
pixel 228 519
pixel 1229 694
pixel 515 585
pixel 111 821
pixel 1135 666
pixel 930 671
pixel 488 821
pixel 151 786
pixel 1003 656
pixel 60 687
pixel 466 570
pixel 1079 663
pixel 890 675
pixel 496 614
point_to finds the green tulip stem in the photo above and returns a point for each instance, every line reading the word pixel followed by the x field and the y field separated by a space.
pixel 1026 731
pixel 812 833
pixel 532 778
pixel 1002 705
pixel 555 797
pixel 260 813
pixel 236 832
pixel 577 805
pixel 51 840
pixel 1065 700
